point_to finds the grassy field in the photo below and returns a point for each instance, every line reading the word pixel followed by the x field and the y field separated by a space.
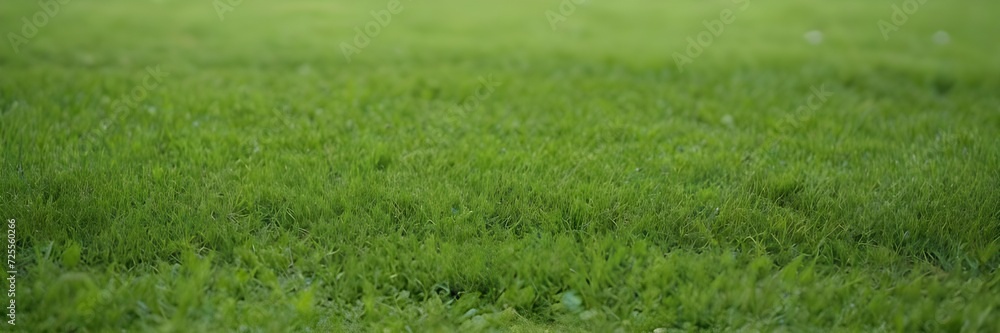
pixel 215 166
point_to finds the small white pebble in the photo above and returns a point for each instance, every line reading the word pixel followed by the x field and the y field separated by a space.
pixel 86 58
pixel 941 37
pixel 814 37
pixel 728 120
pixel 305 69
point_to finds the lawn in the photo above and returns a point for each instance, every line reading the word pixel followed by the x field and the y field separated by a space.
pixel 526 166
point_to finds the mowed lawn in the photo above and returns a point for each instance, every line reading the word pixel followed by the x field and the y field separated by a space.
pixel 483 165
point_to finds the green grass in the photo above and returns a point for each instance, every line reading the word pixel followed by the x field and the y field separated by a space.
pixel 268 184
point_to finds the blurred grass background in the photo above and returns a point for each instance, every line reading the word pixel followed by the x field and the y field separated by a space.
pixel 268 184
pixel 115 33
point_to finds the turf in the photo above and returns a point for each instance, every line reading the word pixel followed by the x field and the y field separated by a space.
pixel 476 167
